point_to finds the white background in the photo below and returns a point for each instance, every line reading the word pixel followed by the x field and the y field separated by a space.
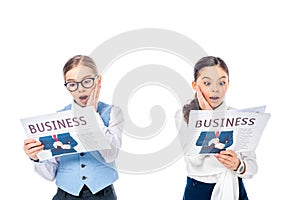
pixel 259 41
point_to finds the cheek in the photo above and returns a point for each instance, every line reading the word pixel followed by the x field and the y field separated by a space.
pixel 205 91
pixel 223 91
pixel 89 91
pixel 73 94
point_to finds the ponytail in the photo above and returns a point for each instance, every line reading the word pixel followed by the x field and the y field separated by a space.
pixel 193 105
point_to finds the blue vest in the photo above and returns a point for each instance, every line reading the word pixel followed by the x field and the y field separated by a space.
pixel 87 168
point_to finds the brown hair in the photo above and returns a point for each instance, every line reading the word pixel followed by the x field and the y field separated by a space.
pixel 208 61
pixel 80 60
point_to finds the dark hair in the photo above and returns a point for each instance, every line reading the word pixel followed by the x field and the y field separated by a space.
pixel 208 61
pixel 80 60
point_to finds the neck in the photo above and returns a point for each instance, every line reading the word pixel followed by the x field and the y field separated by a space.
pixel 218 106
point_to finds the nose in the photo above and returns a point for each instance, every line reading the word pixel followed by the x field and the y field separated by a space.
pixel 215 88
pixel 80 87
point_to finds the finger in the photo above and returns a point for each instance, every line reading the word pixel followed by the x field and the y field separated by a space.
pixel 91 98
pixel 225 158
pixel 202 101
pixel 199 93
pixel 228 163
pixel 228 152
pixel 94 96
pixel 228 158
pixel 33 151
pixel 97 91
pixel 28 141
pixel 31 145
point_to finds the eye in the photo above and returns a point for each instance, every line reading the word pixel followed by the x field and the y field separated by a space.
pixel 71 85
pixel 222 83
pixel 87 81
pixel 206 83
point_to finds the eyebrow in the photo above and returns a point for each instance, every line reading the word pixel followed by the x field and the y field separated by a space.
pixel 206 77
pixel 87 76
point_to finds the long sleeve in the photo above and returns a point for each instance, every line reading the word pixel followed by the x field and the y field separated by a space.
pixel 197 163
pixel 182 129
pixel 249 159
pixel 186 140
pixel 113 133
pixel 47 168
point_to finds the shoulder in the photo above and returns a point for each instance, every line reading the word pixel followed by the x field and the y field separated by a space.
pixel 116 111
pixel 68 107
pixel 231 108
pixel 103 104
pixel 104 107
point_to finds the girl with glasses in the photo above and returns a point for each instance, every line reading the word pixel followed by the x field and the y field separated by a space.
pixel 88 175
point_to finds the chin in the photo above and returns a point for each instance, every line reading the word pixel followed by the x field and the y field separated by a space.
pixel 215 105
pixel 82 105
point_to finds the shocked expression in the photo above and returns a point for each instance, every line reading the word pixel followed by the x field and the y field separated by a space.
pixel 80 81
pixel 213 83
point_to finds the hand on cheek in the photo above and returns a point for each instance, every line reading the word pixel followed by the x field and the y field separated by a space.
pixel 204 105
pixel 94 96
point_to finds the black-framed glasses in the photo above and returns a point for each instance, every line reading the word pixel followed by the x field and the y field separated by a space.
pixel 72 86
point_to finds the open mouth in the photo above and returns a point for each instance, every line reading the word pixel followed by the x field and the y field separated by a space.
pixel 214 98
pixel 83 97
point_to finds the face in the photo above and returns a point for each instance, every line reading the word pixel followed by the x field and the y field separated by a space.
pixel 213 83
pixel 78 74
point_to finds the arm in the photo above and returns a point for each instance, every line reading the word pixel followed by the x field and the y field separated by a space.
pixel 231 160
pixel 113 133
pixel 47 169
pixel 182 130
pixel 186 140
pixel 249 159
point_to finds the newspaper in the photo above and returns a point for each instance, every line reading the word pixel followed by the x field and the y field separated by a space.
pixel 238 130
pixel 66 132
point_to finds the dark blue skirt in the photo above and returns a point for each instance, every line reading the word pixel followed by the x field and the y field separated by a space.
pixel 196 190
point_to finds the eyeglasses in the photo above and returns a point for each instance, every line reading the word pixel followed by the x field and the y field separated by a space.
pixel 86 83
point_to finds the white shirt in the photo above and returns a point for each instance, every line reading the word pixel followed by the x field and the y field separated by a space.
pixel 206 168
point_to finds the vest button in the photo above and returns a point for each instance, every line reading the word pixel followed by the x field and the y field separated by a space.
pixel 83 178
pixel 82 165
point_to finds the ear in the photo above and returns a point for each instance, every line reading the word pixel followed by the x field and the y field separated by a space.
pixel 99 80
pixel 194 85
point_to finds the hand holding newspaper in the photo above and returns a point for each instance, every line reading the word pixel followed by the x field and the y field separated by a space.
pixel 238 130
pixel 66 132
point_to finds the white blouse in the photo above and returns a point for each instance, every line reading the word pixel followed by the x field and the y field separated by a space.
pixel 206 168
